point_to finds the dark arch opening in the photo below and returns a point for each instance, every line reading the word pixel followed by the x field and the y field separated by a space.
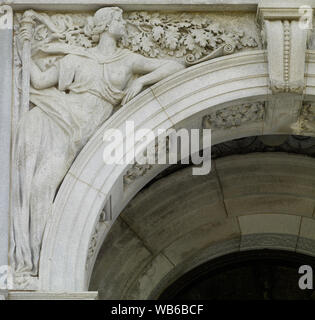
pixel 250 275
pixel 294 144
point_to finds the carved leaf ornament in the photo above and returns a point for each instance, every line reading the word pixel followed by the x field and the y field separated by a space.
pixel 150 34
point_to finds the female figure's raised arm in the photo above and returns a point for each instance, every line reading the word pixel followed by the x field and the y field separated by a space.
pixel 152 71
pixel 43 79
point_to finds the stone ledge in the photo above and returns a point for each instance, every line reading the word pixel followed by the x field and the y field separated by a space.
pixel 36 295
pixel 131 5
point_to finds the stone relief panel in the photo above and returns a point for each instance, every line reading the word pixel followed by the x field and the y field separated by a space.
pixel 66 62
pixel 306 121
pixel 142 167
pixel 92 246
pixel 137 170
pixel 152 34
pixel 102 223
pixel 222 119
pixel 178 35
pixel 94 241
pixel 235 116
pixel 72 90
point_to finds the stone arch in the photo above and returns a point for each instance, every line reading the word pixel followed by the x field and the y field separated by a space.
pixel 73 235
pixel 182 221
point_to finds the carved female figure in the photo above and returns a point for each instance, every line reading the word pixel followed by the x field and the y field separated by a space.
pixel 72 99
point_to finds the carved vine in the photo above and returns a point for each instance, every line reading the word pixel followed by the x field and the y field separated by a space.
pixel 306 121
pixel 234 116
pixel 223 119
pixel 158 34
pixel 150 34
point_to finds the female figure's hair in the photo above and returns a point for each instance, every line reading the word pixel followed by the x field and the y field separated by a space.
pixel 100 22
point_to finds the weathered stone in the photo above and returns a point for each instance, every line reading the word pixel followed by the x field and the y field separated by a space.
pixel 126 252
pixel 70 69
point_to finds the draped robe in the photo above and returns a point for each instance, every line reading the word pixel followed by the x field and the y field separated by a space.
pixel 48 138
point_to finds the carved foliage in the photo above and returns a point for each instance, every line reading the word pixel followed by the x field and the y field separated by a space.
pixel 234 116
pixel 137 170
pixel 306 122
pixel 150 34
pixel 293 87
pixel 140 169
pixel 92 245
pixel 308 111
pixel 99 227
pixel 157 34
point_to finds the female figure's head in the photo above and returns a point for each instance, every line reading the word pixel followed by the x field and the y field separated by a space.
pixel 106 20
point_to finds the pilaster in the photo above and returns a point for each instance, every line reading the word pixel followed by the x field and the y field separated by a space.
pixel 6 61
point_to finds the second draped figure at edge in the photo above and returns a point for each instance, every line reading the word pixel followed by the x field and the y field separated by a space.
pixel 72 99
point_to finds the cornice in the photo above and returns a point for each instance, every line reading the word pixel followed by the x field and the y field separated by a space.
pixel 130 5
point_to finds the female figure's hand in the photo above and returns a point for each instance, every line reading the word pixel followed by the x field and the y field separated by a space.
pixel 133 90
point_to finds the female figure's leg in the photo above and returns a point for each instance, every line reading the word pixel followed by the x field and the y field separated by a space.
pixel 43 155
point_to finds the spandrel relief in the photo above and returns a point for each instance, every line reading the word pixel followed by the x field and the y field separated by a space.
pixel 71 72
pixel 72 97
